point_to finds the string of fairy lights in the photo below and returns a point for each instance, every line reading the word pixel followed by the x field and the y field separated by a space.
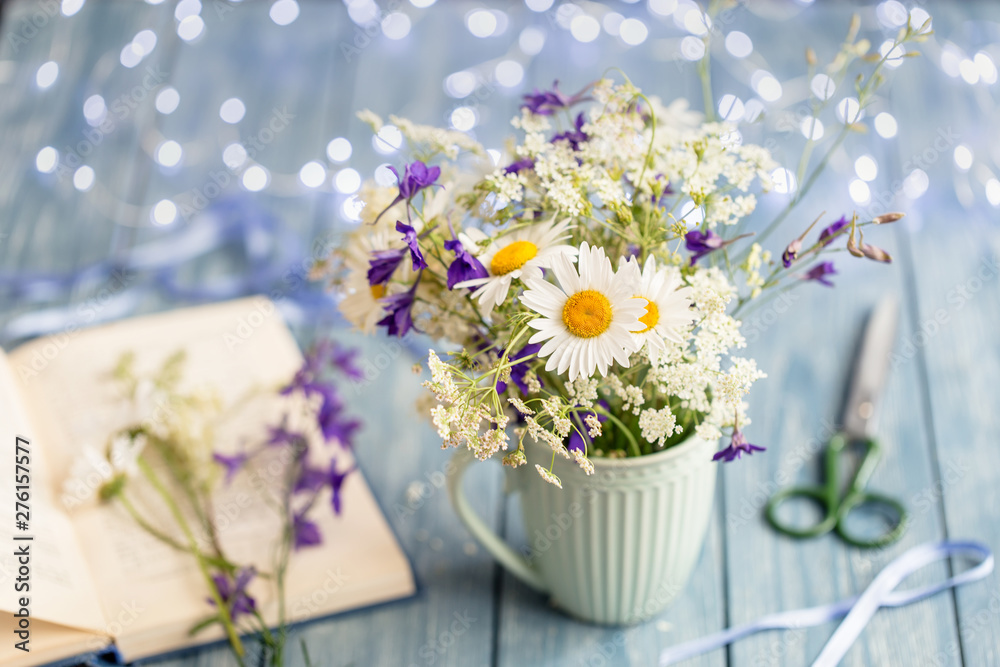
pixel 635 26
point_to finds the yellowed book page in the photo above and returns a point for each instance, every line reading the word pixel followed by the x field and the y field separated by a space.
pixel 232 348
pixel 49 642
pixel 58 584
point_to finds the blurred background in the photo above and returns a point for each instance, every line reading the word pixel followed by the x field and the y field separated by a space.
pixel 158 154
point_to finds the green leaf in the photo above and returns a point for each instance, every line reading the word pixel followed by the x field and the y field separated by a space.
pixel 202 624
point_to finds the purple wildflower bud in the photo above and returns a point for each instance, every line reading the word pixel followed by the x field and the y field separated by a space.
pixel 464 267
pixel 576 136
pixel 410 238
pixel 232 464
pixel 737 446
pixel 520 165
pixel 399 319
pixel 791 252
pixel 383 264
pixel 305 532
pixel 416 176
pixel 820 272
pixel 234 592
pixel 826 236
pixel 702 243
pixel 336 480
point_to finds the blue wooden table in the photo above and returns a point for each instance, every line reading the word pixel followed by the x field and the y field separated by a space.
pixel 300 84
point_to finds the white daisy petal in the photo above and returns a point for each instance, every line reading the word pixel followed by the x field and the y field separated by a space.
pixel 519 255
pixel 588 319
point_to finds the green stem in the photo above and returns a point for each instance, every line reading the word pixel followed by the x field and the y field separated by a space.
pixel 163 537
pixel 705 75
pixel 633 445
pixel 224 614
pixel 862 101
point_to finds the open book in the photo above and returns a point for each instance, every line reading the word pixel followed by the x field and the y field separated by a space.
pixel 95 577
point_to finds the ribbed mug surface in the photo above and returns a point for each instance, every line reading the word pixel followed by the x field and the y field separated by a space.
pixel 617 546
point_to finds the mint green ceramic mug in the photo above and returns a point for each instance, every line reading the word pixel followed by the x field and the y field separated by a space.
pixel 614 547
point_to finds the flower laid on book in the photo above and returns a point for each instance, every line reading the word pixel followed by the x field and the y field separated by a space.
pixel 590 284
pixel 164 471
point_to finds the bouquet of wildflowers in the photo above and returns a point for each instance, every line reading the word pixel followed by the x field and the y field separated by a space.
pixel 165 464
pixel 588 286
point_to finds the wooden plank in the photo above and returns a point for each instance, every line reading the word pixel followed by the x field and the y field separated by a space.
pixel 807 349
pixel 953 343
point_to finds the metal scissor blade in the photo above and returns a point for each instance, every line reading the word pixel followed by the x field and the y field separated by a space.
pixel 871 368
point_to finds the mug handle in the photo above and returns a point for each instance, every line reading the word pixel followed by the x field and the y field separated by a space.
pixel 514 562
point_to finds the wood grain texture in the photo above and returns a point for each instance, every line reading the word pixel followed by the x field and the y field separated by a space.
pixel 955 291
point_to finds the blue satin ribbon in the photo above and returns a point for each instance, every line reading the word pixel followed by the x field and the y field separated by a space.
pixel 272 258
pixel 855 611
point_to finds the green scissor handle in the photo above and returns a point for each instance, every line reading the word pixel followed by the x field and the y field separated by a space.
pixel 836 509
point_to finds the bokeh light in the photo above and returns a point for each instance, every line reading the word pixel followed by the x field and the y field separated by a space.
pixel 47 160
pixel 47 74
pixel 312 174
pixel 83 178
pixel 339 149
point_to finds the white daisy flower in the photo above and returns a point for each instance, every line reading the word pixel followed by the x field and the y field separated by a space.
pixel 667 302
pixel 521 254
pixel 589 319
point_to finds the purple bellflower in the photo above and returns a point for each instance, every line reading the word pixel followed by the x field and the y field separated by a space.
pixel 737 446
pixel 410 238
pixel 310 479
pixel 416 176
pixel 343 358
pixel 233 592
pixel 232 464
pixel 547 102
pixel 464 266
pixel 336 480
pixel 399 307
pixel 820 272
pixel 385 262
pixel 702 243
pixel 576 136
pixel 305 532
pixel 520 165
pixel 826 236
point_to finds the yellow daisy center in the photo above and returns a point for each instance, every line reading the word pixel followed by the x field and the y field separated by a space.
pixel 378 291
pixel 587 314
pixel 652 315
pixel 512 257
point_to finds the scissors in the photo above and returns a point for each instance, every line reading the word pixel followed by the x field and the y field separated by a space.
pixel 870 372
